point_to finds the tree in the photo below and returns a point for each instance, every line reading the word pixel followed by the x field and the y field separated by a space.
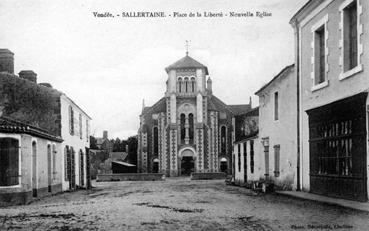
pixel 132 149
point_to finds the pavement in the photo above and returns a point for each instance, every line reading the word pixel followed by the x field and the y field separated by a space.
pixel 362 206
pixel 178 204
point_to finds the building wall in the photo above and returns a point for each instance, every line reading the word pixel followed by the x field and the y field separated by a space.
pixel 22 193
pixel 282 132
pixel 336 88
pixel 75 140
pixel 258 172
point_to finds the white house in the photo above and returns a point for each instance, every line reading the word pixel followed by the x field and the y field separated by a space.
pixel 278 128
pixel 75 132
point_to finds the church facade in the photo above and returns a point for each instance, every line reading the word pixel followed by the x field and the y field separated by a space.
pixel 189 129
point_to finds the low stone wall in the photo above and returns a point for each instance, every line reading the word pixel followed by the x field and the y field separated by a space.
pixel 208 176
pixel 130 177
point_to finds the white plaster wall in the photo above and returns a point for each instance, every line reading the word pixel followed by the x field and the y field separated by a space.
pixel 73 140
pixel 283 131
pixel 258 161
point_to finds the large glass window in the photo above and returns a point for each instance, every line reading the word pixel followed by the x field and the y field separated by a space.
pixel 9 162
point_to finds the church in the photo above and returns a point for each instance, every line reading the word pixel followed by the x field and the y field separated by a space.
pixel 189 129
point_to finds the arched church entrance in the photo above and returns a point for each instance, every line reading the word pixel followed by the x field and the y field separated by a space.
pixel 223 165
pixel 155 165
pixel 187 162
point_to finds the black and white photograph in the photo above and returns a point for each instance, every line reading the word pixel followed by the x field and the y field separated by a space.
pixel 184 115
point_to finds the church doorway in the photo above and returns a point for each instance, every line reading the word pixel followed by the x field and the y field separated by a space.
pixel 155 165
pixel 187 165
pixel 223 165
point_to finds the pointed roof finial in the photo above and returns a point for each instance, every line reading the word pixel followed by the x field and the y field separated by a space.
pixel 187 46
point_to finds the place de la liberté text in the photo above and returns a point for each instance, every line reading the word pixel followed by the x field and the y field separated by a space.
pixel 149 14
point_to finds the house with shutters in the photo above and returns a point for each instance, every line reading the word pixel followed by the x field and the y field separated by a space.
pixel 47 129
pixel 278 129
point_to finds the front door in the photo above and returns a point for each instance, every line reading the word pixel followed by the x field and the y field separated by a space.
pixel 187 165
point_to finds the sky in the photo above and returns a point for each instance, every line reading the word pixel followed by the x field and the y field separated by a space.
pixel 109 65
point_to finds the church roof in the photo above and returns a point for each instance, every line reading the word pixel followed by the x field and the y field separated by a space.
pixel 159 106
pixel 186 62
pixel 215 104
pixel 240 108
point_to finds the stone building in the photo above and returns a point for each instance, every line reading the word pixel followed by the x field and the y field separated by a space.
pixel 332 43
pixel 278 128
pixel 189 129
pixel 40 105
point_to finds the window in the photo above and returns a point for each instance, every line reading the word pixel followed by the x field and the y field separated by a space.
pixel 239 158
pixel 193 84
pixel 71 121
pixel 156 140
pixel 350 37
pixel 186 84
pixel 183 129
pixel 80 126
pixel 245 157
pixel 49 171
pixel 180 85
pixel 333 141
pixel 54 161
pixel 276 110
pixel 223 135
pixel 252 156
pixel 66 163
pixel 276 160
pixel 81 168
pixel 9 162
pixel 319 55
pixel 191 128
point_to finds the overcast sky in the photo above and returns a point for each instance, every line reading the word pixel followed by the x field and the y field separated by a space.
pixel 108 65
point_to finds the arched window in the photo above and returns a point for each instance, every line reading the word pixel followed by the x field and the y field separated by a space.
pixel 191 129
pixel 156 140
pixel 183 129
pixel 193 84
pixel 9 162
pixel 186 84
pixel 223 140
pixel 179 85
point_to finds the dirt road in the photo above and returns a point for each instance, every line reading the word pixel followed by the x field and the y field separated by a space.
pixel 177 204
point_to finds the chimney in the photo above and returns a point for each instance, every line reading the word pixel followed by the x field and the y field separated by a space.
pixel 105 134
pixel 6 61
pixel 28 75
pixel 209 86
